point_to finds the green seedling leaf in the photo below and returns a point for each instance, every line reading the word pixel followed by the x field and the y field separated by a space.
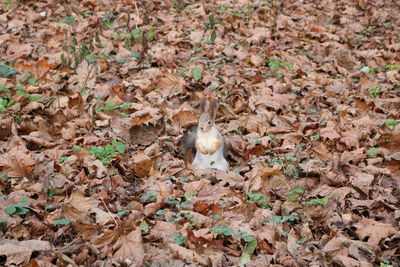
pixel 49 207
pixel 184 179
pixel 120 147
pixel 122 213
pixel 90 59
pixel 149 196
pixel 247 252
pixel 6 72
pixel 135 55
pixel 77 148
pixel 70 20
pixel 213 36
pixel 302 241
pixel 161 212
pixel 391 123
pixel 214 86
pixel 239 15
pixel 10 209
pixel 315 137
pixel 373 151
pixel 31 97
pixel 197 73
pixel 144 226
pixel 226 231
pixel 24 78
pixel 122 60
pixel 365 69
pixel 296 191
pixel 393 67
pixel 5 103
pixel 152 33
pixel 319 201
pixel 375 91
pixel 282 219
pixel 4 89
pixel 189 196
pixel 64 158
pixel 179 239
pixel 62 222
pixel 137 34
pixel 4 220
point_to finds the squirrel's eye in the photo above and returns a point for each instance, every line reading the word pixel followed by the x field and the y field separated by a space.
pixel 209 122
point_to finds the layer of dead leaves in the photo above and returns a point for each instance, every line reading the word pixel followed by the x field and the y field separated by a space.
pixel 306 91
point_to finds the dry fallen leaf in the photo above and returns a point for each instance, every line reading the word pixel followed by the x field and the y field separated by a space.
pixel 77 207
pixel 375 231
pixel 19 252
pixel 129 249
pixel 18 162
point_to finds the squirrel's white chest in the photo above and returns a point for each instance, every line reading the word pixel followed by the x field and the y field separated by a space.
pixel 207 139
pixel 210 161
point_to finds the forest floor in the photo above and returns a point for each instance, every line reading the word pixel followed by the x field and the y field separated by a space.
pixel 95 97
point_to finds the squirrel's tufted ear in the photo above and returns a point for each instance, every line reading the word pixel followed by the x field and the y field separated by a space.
pixel 203 105
pixel 213 108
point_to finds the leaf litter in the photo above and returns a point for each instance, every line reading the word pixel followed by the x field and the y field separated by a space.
pixel 95 98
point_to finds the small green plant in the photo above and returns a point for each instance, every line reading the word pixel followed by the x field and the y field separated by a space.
pixel 315 137
pixel 4 177
pixel 247 252
pixel 373 151
pixel 197 73
pixel 149 196
pixel 64 158
pixel 107 20
pixel 104 154
pixel 184 179
pixel 5 103
pixel 144 226
pixel 6 71
pixel 179 239
pixel 221 230
pixel 70 20
pixel 277 65
pixel 19 209
pixel 4 89
pixel 62 222
pixel 391 123
pixel 295 194
pixel 384 263
pixel 214 86
pixel 110 105
pixel 261 201
pixel 4 220
pixel 289 163
pixel 239 15
pixel 123 213
pixel 172 201
pixel 375 91
pixel 393 67
pixel 281 219
pixel 49 207
pixel 8 3
pixel 28 78
pixel 318 201
pixel 211 25
pixel 77 148
pixel 21 91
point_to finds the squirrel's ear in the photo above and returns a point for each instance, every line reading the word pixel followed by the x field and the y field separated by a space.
pixel 213 108
pixel 203 104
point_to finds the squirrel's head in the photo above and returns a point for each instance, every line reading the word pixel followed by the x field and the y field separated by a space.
pixel 207 117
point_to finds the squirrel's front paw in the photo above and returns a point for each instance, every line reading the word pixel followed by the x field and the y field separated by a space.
pixel 216 145
pixel 202 149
